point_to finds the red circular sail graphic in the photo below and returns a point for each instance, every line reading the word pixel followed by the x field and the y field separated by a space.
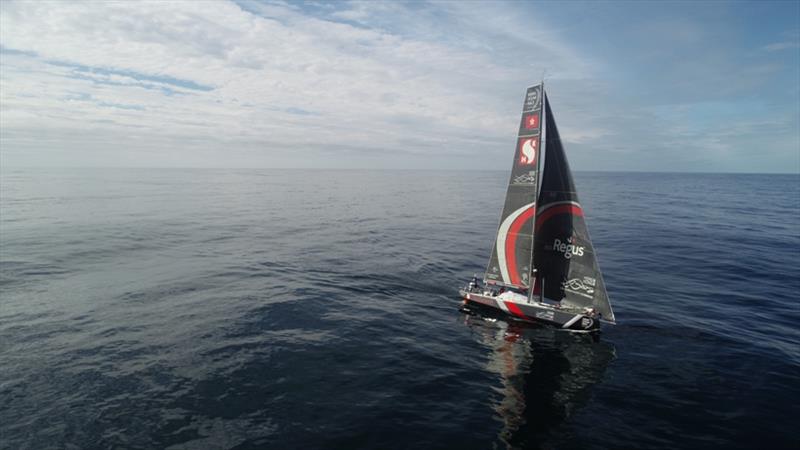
pixel 511 244
pixel 575 210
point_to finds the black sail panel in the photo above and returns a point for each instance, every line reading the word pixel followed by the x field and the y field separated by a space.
pixel 564 255
pixel 510 261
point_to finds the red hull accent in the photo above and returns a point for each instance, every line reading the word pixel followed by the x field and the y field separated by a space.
pixel 515 310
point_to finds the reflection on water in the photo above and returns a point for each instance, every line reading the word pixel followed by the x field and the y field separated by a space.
pixel 545 376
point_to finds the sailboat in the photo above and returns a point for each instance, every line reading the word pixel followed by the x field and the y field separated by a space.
pixel 543 267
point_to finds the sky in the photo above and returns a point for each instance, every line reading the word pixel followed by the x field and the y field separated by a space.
pixel 635 86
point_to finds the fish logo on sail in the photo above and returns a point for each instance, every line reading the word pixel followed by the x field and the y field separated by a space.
pixel 584 286
pixel 527 150
pixel 525 178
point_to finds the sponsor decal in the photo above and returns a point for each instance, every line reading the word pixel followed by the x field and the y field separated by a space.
pixel 525 178
pixel 527 150
pixel 514 309
pixel 568 249
pixel 583 286
pixel 531 121
pixel 533 98
pixel 546 315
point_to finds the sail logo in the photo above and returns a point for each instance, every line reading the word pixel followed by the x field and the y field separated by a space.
pixel 527 150
pixel 532 98
pixel 569 250
pixel 531 121
pixel 526 178
pixel 587 284
pixel 584 287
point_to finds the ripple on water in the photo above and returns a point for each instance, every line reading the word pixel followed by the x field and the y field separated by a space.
pixel 275 309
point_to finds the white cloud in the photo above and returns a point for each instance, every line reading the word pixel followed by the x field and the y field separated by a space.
pixel 777 46
pixel 359 83
pixel 272 74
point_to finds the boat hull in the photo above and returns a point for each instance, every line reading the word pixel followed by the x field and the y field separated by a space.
pixel 535 312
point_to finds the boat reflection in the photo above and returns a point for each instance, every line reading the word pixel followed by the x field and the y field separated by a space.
pixel 545 376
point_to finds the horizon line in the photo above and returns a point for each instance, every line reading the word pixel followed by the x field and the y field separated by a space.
pixel 4 168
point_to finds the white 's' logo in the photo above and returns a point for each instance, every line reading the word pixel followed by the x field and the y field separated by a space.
pixel 527 153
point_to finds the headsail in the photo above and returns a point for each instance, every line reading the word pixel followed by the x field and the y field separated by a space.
pixel 564 255
pixel 510 262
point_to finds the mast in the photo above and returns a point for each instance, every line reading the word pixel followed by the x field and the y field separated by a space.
pixel 533 272
pixel 542 167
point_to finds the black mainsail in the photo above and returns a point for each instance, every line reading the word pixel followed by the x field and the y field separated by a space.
pixel 564 255
pixel 510 263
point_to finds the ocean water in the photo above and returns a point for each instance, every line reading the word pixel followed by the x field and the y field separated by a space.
pixel 241 309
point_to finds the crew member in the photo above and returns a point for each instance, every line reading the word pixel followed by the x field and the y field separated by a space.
pixel 473 285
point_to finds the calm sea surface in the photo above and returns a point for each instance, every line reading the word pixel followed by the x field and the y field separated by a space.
pixel 189 309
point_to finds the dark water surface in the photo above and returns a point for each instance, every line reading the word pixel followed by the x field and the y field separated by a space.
pixel 318 309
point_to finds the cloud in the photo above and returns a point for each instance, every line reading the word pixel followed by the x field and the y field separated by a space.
pixel 261 83
pixel 790 40
pixel 267 72
pixel 777 46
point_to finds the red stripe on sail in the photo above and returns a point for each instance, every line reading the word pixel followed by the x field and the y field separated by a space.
pixel 511 244
pixel 575 210
pixel 515 309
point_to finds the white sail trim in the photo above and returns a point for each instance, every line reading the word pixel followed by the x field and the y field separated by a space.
pixel 502 235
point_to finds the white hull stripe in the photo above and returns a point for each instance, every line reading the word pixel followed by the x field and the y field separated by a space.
pixel 502 305
pixel 502 235
pixel 572 321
